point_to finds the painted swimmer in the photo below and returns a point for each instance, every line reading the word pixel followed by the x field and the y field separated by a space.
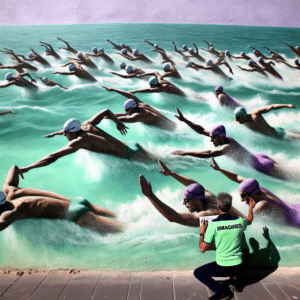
pixel 89 137
pixel 160 85
pixel 68 48
pixel 195 198
pixel 266 202
pixel 48 82
pixel 136 55
pixel 164 56
pixel 181 52
pixel 83 59
pixel 155 46
pixel 34 56
pixel 20 81
pixel 296 62
pixel 296 49
pixel 213 51
pixel 121 47
pixel 138 111
pixel 100 53
pixel 257 53
pixel 26 203
pixel 77 70
pixel 267 66
pixel 130 70
pixel 195 54
pixel 49 50
pixel 275 55
pixel 255 121
pixel 254 67
pixel 210 66
pixel 225 99
pixel 170 71
pixel 232 149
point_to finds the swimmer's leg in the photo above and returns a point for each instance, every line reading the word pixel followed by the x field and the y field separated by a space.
pixel 143 155
pixel 100 224
pixel 100 211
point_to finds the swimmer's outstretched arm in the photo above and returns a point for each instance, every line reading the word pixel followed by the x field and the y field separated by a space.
pixel 115 45
pixel 146 74
pixel 2 113
pixel 196 48
pixel 187 219
pixel 148 90
pixel 202 154
pixel 51 158
pixel 60 132
pixel 282 61
pixel 7 84
pixel 267 108
pixel 209 44
pixel 124 76
pixel 73 58
pixel 229 174
pixel 28 75
pixel 198 128
pixel 149 43
pixel 201 67
pixel 64 73
pixel 123 93
pixel 248 70
pixel 182 179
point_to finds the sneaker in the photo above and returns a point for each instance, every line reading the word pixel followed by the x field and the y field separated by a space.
pixel 225 294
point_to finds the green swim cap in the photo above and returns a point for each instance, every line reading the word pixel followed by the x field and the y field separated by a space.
pixel 240 112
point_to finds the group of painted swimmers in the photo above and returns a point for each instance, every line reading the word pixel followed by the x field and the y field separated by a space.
pixel 17 203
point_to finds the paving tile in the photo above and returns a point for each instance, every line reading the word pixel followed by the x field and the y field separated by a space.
pixel 6 281
pixel 157 287
pixel 189 288
pixel 50 288
pixel 112 286
pixel 291 290
pixel 256 291
pixel 81 286
pixel 276 291
pixel 135 287
pixel 23 287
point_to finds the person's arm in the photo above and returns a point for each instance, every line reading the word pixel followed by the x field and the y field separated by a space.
pixel 147 90
pixel 229 174
pixel 51 48
pixel 7 84
pixel 196 48
pixel 199 66
pixel 149 43
pixel 64 73
pixel 2 113
pixel 146 74
pixel 250 214
pixel 124 76
pixel 175 48
pixel 28 75
pixel 203 245
pixel 182 179
pixel 72 58
pixel 282 61
pixel 51 158
pixel 203 153
pixel 187 219
pixel 227 65
pixel 106 113
pixel 209 44
pixel 126 94
pixel 198 128
pixel 60 132
pixel 12 178
pixel 268 108
pixel 136 117
pixel 248 70
pixel 126 56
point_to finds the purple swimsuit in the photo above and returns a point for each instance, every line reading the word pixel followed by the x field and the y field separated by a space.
pixel 232 103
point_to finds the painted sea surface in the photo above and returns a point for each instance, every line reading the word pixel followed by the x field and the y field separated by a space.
pixel 150 242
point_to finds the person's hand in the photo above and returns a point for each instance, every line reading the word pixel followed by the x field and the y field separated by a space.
pixel 22 171
pixel 203 226
pixel 165 171
pixel 252 203
pixel 122 128
pixel 145 186
pixel 180 116
pixel 292 106
pixel 107 88
pixel 214 165
pixel 49 135
pixel 179 152
pixel 266 233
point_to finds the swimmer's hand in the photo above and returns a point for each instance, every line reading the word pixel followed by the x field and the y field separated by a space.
pixel 215 166
pixel 180 116
pixel 266 233
pixel 122 128
pixel 49 135
pixel 203 226
pixel 108 88
pixel 179 152
pixel 145 186
pixel 165 171
pixel 252 203
pixel 292 106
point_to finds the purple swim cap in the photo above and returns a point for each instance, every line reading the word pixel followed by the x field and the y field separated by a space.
pixel 194 191
pixel 249 186
pixel 219 130
pixel 219 89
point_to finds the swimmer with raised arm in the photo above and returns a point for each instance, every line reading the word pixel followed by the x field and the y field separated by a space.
pixel 89 137
pixel 267 66
pixel 160 85
pixel 195 54
pixel 34 56
pixel 155 46
pixel 225 100
pixel 48 82
pixel 215 52
pixel 242 56
pixel 138 111
pixel 181 52
pixel 121 47
pixel 296 49
pixel 195 198
pixel 266 202
pixel 26 203
pixel 256 122
pixel 170 71
pixel 21 64
pixel 131 72
pixel 83 59
pixel 68 48
pixel 2 113
pixel 296 61
pixel 210 66
pixel 164 56
pixel 232 149
pixel 77 70
pixel 20 81
pixel 254 67
pixel 100 53
pixel 136 55
pixel 49 50
pixel 276 55
pixel 258 53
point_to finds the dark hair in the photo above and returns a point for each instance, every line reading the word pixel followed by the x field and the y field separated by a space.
pixel 224 200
